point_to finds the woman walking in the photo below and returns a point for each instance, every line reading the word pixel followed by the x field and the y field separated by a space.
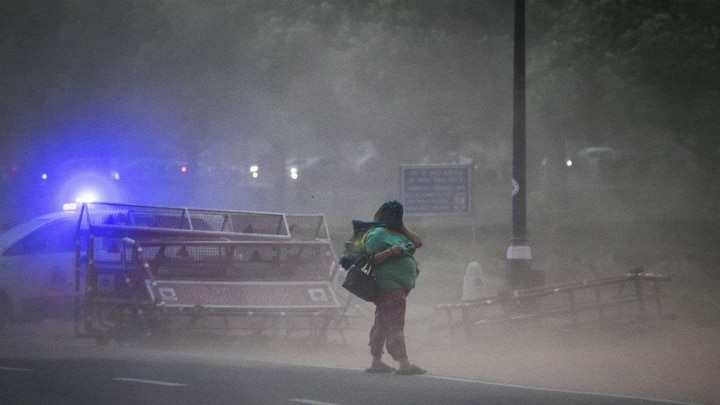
pixel 391 247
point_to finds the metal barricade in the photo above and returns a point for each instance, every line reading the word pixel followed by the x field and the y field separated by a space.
pixel 593 300
pixel 152 269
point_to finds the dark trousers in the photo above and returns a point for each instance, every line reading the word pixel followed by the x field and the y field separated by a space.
pixel 388 329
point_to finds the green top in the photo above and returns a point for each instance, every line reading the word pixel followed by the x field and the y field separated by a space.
pixel 397 271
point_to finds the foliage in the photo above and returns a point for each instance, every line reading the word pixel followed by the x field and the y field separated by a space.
pixel 640 63
pixel 418 81
pixel 291 70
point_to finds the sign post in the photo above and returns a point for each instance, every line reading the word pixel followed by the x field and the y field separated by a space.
pixel 519 255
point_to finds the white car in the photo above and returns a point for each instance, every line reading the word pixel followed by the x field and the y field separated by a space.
pixel 37 268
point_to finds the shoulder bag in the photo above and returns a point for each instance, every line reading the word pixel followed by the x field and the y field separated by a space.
pixel 360 282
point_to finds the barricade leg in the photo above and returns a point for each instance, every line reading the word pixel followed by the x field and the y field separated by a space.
pixel 640 298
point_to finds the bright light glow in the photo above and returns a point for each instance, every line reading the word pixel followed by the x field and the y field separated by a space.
pixel 116 175
pixel 294 173
pixel 569 163
pixel 254 168
pixel 183 169
pixel 44 176
pixel 89 186
pixel 255 175
pixel 69 206
pixel 87 196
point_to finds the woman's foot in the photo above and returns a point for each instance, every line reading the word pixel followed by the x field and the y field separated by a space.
pixel 379 368
pixel 410 369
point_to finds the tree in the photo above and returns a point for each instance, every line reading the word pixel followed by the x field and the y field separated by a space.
pixel 418 80
pixel 635 62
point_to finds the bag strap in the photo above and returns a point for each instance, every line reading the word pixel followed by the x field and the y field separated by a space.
pixel 364 264
pixel 369 266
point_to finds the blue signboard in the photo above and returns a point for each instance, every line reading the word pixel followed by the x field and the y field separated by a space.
pixel 436 189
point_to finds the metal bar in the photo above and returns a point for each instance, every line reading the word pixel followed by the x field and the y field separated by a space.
pixel 466 322
pixel 641 301
pixel 573 311
pixel 186 216
pixel 657 296
pixel 598 298
pixel 560 311
pixel 212 243
pixel 76 312
pixel 90 280
pixel 574 306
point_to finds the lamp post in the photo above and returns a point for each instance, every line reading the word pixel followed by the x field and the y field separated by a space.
pixel 519 254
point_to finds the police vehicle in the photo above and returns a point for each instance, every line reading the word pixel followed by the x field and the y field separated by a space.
pixel 37 268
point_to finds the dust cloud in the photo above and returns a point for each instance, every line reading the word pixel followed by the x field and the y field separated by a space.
pixel 347 97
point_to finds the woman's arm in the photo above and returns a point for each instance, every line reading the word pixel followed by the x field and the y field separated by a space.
pixel 383 255
pixel 396 250
pixel 414 238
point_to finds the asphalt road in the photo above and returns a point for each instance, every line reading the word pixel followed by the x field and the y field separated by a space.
pixel 44 363
pixel 155 380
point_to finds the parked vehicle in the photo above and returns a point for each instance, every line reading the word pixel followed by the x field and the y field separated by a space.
pixel 37 268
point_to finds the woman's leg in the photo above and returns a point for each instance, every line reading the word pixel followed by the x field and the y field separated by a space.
pixel 388 329
pixel 395 318
pixel 378 337
pixel 379 330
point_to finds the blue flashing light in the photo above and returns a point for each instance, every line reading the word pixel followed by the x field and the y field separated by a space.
pixel 89 186
pixel 87 196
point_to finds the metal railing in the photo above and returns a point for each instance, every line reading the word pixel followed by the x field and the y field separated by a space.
pixel 599 298
pixel 140 269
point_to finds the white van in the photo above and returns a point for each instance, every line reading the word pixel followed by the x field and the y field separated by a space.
pixel 37 268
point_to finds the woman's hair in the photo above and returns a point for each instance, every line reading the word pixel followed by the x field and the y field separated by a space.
pixel 390 214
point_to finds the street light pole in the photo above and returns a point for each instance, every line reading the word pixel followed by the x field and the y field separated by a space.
pixel 519 254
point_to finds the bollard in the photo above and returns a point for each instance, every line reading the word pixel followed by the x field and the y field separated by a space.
pixel 474 282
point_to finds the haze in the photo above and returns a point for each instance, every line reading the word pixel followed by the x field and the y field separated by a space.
pixel 623 146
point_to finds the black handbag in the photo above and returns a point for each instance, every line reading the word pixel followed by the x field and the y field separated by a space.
pixel 361 282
